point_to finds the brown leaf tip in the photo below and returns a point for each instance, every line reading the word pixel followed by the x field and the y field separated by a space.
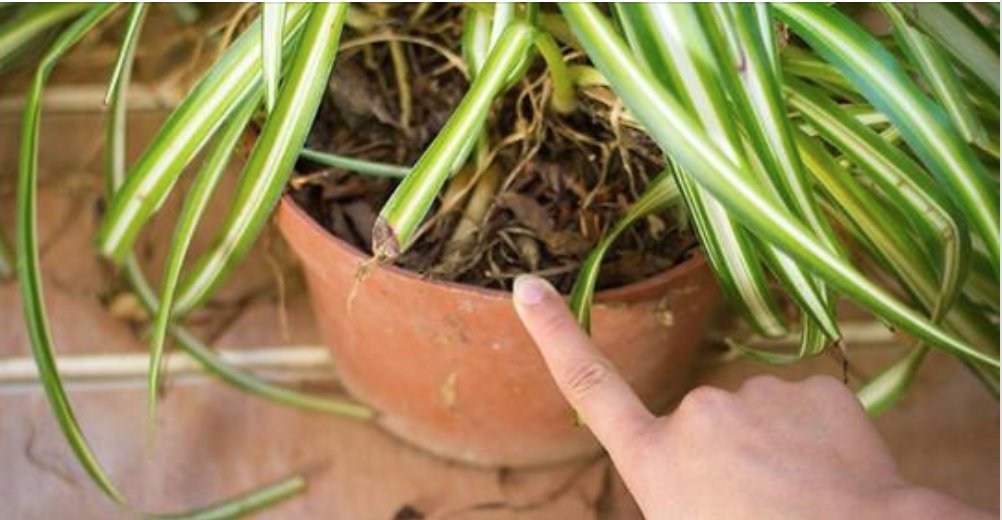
pixel 385 245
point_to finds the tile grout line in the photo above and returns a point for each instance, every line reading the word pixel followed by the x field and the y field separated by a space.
pixel 291 363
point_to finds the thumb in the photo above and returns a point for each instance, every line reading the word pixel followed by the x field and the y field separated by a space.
pixel 587 379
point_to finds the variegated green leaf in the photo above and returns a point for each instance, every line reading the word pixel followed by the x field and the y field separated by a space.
pixel 731 253
pixel 682 138
pixel 685 60
pixel 866 214
pixel 410 201
pixel 133 26
pixel 118 86
pixel 805 65
pixel 483 26
pixel 246 504
pixel 270 163
pixel 213 364
pixel 961 35
pixel 813 340
pixel 927 56
pixel 31 22
pixel 195 203
pixel 752 76
pixel 272 22
pixel 885 389
pixel 476 39
pixel 29 270
pixel 923 124
pixel 728 249
pixel 234 77
pixel 902 181
pixel 239 379
pixel 747 62
pixel 661 193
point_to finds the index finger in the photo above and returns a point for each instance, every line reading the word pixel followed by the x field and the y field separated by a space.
pixel 587 379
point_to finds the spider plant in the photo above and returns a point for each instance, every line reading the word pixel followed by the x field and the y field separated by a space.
pixel 817 161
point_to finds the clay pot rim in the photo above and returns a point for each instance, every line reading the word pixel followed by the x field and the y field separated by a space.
pixel 624 293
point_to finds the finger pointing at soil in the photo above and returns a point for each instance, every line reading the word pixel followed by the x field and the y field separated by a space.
pixel 588 380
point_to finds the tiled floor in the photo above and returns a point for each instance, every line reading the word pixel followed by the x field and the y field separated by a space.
pixel 214 441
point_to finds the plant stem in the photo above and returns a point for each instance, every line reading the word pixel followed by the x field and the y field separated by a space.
pixel 564 97
pixel 375 169
pixel 472 218
pixel 244 504
pixel 403 85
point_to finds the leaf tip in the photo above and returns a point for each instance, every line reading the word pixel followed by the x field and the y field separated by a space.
pixel 385 244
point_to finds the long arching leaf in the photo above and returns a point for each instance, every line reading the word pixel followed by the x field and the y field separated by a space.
pixel 902 180
pixel 923 124
pixel 866 214
pixel 657 35
pixel 962 36
pixel 195 203
pixel 257 499
pixel 682 139
pixel 375 169
pixel 32 22
pixel 684 41
pixel 234 77
pixel 752 75
pixel 133 26
pixel 29 270
pixel 239 379
pixel 243 381
pixel 747 60
pixel 661 193
pixel 273 156
pixel 244 504
pixel 936 69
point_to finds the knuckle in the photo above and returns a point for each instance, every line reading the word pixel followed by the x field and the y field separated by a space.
pixel 762 385
pixel 827 384
pixel 829 389
pixel 584 378
pixel 703 400
pixel 764 382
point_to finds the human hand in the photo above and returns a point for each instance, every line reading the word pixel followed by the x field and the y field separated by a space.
pixel 774 449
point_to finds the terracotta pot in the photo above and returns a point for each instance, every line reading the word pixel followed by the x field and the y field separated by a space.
pixel 450 368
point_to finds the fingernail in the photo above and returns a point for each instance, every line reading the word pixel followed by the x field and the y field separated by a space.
pixel 529 290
